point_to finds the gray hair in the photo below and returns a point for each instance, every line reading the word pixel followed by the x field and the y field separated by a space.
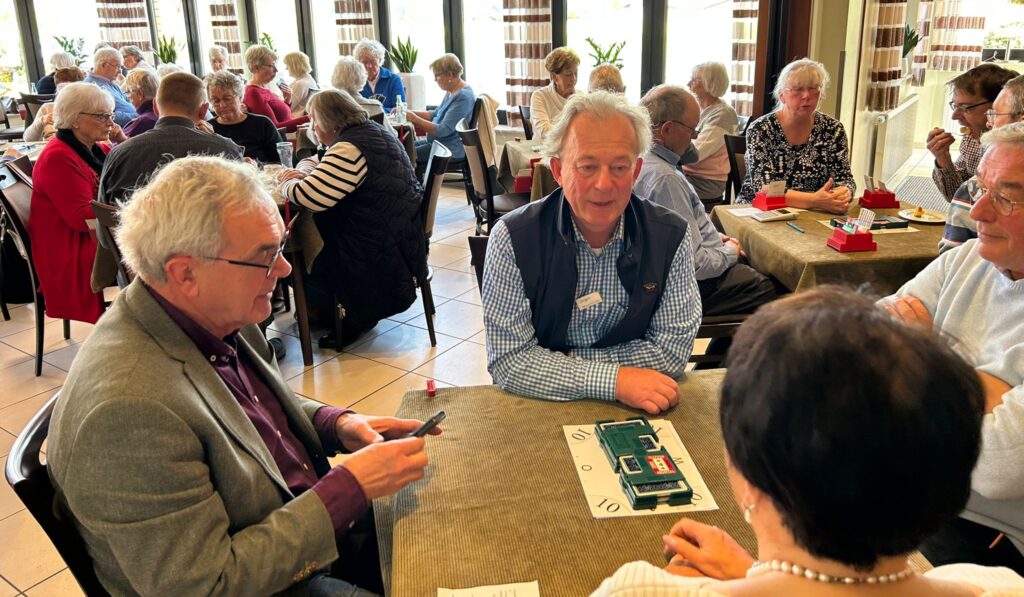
pixel 133 51
pixel 78 98
pixel 1011 134
pixel 182 211
pixel 349 75
pixel 1015 91
pixel 257 54
pixel 225 80
pixel 336 110
pixel 666 102
pixel 217 52
pixel 374 47
pixel 601 105
pixel 142 79
pixel 62 60
pixel 106 54
pixel 165 69
pixel 713 77
pixel 801 73
pixel 448 64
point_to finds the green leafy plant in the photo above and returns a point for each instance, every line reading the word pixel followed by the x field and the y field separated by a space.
pixel 167 50
pixel 72 45
pixel 609 56
pixel 264 40
pixel 910 39
pixel 1008 35
pixel 404 56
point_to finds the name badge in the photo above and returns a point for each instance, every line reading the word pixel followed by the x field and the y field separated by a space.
pixel 588 300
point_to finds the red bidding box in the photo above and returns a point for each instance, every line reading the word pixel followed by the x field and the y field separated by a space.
pixel 524 184
pixel 766 203
pixel 845 242
pixel 879 200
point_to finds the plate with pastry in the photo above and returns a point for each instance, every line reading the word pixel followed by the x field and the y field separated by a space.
pixel 922 215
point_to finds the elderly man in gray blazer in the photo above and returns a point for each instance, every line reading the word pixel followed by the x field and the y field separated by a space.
pixel 184 459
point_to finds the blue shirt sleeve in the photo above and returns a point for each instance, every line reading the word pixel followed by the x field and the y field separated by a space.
pixel 454 109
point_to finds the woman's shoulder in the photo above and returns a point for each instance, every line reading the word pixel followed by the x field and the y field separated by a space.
pixel 764 126
pixel 991 580
pixel 822 120
pixel 643 578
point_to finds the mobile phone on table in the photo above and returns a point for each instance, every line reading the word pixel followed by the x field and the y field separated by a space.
pixel 429 424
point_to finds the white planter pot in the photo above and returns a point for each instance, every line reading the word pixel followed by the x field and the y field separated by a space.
pixel 415 90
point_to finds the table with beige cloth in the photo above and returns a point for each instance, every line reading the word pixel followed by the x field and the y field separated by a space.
pixel 516 156
pixel 802 261
pixel 502 503
pixel 30 148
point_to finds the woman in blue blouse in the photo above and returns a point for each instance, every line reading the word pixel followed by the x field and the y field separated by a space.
pixel 458 104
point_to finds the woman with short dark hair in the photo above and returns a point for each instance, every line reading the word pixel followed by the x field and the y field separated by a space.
pixel 849 439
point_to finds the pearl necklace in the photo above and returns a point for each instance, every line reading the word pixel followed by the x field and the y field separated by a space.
pixel 796 570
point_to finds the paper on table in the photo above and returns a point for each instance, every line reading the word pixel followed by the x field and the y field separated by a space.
pixel 744 212
pixel 601 484
pixel 523 589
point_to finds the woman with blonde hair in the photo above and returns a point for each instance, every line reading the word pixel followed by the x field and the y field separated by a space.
pixel 303 84
pixel 709 82
pixel 259 98
pixel 458 103
pixel 546 103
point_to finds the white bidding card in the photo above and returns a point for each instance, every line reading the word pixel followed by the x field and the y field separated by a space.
pixel 600 482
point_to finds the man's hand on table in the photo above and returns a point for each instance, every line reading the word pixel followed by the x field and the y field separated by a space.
pixel 910 310
pixel 698 549
pixel 646 389
pixel 382 467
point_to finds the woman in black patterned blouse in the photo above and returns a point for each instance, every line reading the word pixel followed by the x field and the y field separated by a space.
pixel 800 145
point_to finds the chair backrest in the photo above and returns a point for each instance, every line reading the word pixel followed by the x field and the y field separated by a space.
pixel 477 256
pixel 741 127
pixel 34 101
pixel 524 113
pixel 106 221
pixel 378 118
pixel 478 109
pixel 716 326
pixel 735 148
pixel 16 201
pixel 30 481
pixel 437 163
pixel 478 175
pixel 25 165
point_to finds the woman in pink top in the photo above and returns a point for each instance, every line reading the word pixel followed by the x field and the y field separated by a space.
pixel 708 175
pixel 259 99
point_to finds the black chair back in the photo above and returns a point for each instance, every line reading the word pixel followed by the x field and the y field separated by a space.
pixel 524 113
pixel 34 101
pixel 735 148
pixel 15 202
pixel 106 221
pixel 437 163
pixel 477 256
pixel 478 109
pixel 25 165
pixel 27 475
pixel 480 182
pixel 744 122
pixel 378 118
pixel 9 133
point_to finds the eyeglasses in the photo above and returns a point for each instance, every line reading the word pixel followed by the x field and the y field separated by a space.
pixel 272 65
pixel 812 89
pixel 273 260
pixel 227 99
pixel 966 108
pixel 101 116
pixel 684 124
pixel 991 114
pixel 1000 203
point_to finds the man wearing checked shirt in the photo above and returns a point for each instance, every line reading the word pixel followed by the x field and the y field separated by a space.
pixel 590 293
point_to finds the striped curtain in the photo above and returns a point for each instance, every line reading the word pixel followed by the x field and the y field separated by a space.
pixel 527 43
pixel 956 36
pixel 886 55
pixel 355 22
pixel 125 23
pixel 744 54
pixel 226 32
pixel 924 27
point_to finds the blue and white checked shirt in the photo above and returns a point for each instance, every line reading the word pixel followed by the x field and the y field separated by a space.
pixel 519 365
pixel 124 111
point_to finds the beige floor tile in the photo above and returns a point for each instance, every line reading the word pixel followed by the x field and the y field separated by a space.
pixel 292 365
pixel 53 338
pixel 63 357
pixel 22 318
pixel 7 589
pixel 442 255
pixel 385 401
pixel 464 365
pixel 19 382
pixel 448 235
pixel 405 347
pixel 35 558
pixel 450 284
pixel 344 380
pixel 462 265
pixel 6 441
pixel 415 310
pixel 11 503
pixel 455 318
pixel 479 338
pixel 471 296
pixel 13 418
pixel 62 584
pixel 12 356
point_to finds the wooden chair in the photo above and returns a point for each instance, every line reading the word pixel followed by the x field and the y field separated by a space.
pixel 9 133
pixel 106 221
pixel 461 166
pixel 15 202
pixel 735 148
pixel 32 103
pixel 487 206
pixel 437 163
pixel 524 113
pixel 27 475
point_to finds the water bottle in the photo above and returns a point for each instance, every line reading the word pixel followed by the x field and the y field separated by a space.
pixel 399 109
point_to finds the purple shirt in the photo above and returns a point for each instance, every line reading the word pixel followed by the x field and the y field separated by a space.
pixel 143 122
pixel 338 489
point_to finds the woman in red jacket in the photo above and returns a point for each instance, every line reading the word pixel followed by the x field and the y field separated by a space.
pixel 259 99
pixel 65 179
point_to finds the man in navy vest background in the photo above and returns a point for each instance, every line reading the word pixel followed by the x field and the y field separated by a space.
pixel 591 293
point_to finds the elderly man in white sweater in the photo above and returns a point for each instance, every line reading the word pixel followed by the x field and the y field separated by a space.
pixel 974 297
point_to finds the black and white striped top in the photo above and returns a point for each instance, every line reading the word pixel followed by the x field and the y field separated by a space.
pixel 328 180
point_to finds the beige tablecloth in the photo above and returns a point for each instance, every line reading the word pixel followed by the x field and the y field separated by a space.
pixel 516 156
pixel 501 503
pixel 802 261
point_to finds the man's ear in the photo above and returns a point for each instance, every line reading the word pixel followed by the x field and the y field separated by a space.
pixel 180 272
pixel 556 169
pixel 636 170
pixel 203 109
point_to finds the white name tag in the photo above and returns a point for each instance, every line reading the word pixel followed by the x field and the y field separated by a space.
pixel 588 300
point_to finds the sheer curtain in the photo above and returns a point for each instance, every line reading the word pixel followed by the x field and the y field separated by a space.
pixel 957 35
pixel 744 54
pixel 125 23
pixel 924 28
pixel 224 20
pixel 527 43
pixel 886 55
pixel 354 20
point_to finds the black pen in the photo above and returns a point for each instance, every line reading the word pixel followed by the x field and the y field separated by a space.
pixel 795 227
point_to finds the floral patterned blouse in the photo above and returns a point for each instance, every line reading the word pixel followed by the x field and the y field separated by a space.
pixel 806 167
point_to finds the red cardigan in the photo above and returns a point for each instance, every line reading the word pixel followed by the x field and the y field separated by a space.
pixel 62 247
pixel 260 100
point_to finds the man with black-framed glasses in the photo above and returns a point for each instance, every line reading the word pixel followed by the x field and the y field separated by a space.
pixel 972 95
pixel 973 296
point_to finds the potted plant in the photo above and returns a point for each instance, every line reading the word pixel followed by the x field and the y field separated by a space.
pixel 609 56
pixel 166 50
pixel 74 46
pixel 403 57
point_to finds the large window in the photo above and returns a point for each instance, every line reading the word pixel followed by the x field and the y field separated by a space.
pixel 423 21
pixel 698 31
pixel 220 24
pixel 485 47
pixel 13 76
pixel 337 27
pixel 278 20
pixel 607 22
pixel 170 25
pixel 70 20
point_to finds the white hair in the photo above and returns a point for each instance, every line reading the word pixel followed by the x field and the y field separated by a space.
pixel 62 60
pixel 77 98
pixel 601 105
pixel 133 51
pixel 801 73
pixel 227 81
pixel 349 75
pixel 713 77
pixel 165 69
pixel 372 46
pixel 218 52
pixel 142 79
pixel 1011 134
pixel 182 211
pixel 106 54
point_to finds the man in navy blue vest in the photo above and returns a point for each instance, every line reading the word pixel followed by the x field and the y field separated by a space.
pixel 590 293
